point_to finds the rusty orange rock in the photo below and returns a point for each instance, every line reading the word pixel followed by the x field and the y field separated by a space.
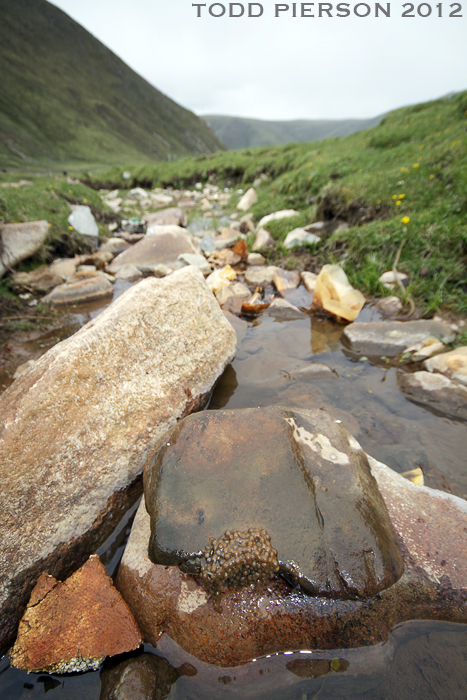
pixel 72 626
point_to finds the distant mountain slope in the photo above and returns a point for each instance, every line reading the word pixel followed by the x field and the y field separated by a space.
pixel 240 132
pixel 67 99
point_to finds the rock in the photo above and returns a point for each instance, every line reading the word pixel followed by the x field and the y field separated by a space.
pixel 227 238
pixel 207 244
pixel 285 279
pixel 298 297
pixel 425 349
pixel 65 267
pixel 161 199
pixel 247 224
pixel 237 290
pixel 240 248
pixel 20 241
pixel 114 204
pixel 390 306
pixel 284 214
pixel 226 256
pixel 83 221
pixel 265 619
pixel 137 194
pixel 133 225
pixel 89 288
pixel 249 198
pixel 81 420
pixel 263 241
pixel 299 237
pixel 115 246
pixel 260 276
pixel 316 226
pixel 38 281
pixel 72 626
pixel 390 338
pixel 310 479
pixel 390 279
pixel 87 268
pixel 205 204
pixel 220 278
pixel 163 245
pixel 256 259
pixel 98 259
pixel 128 272
pixel 144 677
pixel 132 238
pixel 198 261
pixel 309 280
pixel 313 370
pixel 280 308
pixel 159 270
pixel 334 294
pixel 436 391
pixel 166 217
pixel 23 368
pixel 452 364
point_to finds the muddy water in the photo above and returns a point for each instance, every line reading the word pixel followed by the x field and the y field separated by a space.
pixel 274 366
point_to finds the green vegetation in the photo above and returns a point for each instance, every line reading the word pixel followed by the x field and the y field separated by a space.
pixel 241 132
pixel 68 101
pixel 400 185
pixel 412 166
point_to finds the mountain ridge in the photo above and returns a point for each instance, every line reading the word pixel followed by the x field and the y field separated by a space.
pixel 68 99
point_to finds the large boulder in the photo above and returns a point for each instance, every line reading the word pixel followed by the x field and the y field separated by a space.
pixel 76 427
pixel 390 338
pixel 267 618
pixel 306 483
pixel 163 245
pixel 20 241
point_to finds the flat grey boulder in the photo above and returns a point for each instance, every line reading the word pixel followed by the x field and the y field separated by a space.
pixel 83 221
pixel 393 337
pixel 436 391
pixel 75 429
pixel 307 483
pixel 20 241
pixel 162 244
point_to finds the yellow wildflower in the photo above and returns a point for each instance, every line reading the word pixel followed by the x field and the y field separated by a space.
pixel 405 219
pixel 431 177
pixel 85 201
pixel 394 196
pixel 415 165
pixel 70 228
pixel 401 196
pixel 398 203
pixel 360 170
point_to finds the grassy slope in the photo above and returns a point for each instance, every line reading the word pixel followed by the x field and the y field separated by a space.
pixel 67 99
pixel 419 152
pixel 239 132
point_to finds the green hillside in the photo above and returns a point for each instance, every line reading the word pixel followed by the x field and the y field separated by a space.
pixel 401 183
pixel 240 132
pixel 67 100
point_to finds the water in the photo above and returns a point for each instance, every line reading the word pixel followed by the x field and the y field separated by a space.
pixel 421 659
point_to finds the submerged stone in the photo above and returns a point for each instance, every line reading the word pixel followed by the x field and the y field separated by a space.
pixel 295 474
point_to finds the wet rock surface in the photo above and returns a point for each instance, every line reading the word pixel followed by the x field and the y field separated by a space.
pixel 452 364
pixel 72 626
pixel 393 337
pixel 80 421
pixel 143 677
pixel 263 619
pixel 307 484
pixel 20 241
pixel 436 391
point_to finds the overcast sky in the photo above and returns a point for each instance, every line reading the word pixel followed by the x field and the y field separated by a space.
pixel 285 67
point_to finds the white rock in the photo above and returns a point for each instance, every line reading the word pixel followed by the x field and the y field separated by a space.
pixel 309 280
pixel 20 241
pixel 263 241
pixel 260 276
pixel 128 272
pixel 249 198
pixel 389 305
pixel 83 221
pixel 237 289
pixel 299 237
pixel 137 194
pixel 198 261
pixel 390 280
pixel 220 278
pixel 334 293
pixel 316 226
pixel 284 214
pixel 452 364
pixel 256 259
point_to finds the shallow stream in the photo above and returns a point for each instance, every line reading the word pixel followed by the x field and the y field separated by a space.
pixel 421 659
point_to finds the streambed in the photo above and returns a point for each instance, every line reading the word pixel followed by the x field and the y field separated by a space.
pixel 421 659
